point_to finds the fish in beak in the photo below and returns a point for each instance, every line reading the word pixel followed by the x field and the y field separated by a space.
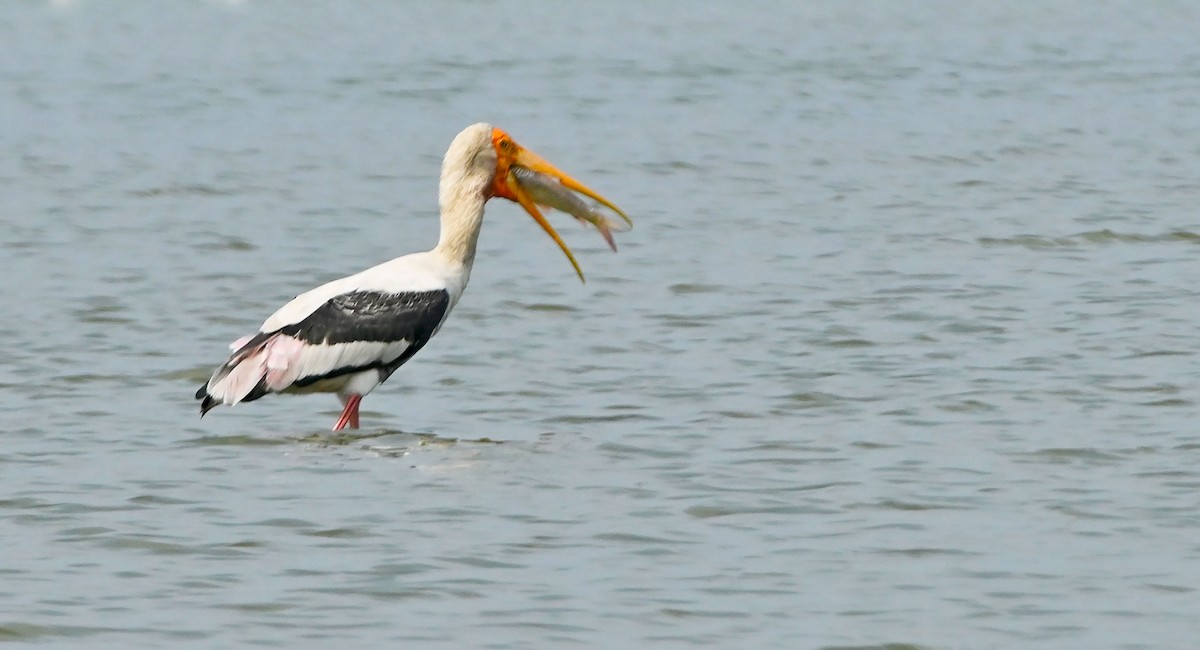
pixel 524 177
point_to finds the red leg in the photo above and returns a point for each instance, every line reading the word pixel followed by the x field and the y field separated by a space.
pixel 349 414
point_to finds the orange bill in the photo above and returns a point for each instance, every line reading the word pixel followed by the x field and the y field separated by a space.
pixel 510 155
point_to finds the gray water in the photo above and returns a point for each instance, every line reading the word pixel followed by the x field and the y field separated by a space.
pixel 902 352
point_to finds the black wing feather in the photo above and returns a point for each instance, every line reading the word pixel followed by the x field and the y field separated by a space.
pixel 359 316
pixel 373 316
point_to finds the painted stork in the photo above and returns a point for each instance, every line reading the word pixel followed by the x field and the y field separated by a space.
pixel 349 335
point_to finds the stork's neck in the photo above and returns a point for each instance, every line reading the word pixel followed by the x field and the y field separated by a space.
pixel 461 202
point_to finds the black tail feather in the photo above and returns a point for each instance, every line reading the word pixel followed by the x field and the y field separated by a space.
pixel 208 404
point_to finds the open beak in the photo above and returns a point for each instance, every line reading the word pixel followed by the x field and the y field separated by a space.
pixel 507 185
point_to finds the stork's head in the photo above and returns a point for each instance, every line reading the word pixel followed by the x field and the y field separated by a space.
pixel 484 151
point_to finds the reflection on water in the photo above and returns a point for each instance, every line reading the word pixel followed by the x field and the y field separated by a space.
pixel 900 353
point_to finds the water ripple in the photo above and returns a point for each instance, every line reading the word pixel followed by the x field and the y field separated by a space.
pixel 901 353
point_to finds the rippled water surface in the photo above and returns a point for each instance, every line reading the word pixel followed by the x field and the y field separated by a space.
pixel 902 352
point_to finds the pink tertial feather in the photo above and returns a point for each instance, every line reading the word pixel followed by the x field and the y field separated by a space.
pixel 283 361
pixel 274 360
